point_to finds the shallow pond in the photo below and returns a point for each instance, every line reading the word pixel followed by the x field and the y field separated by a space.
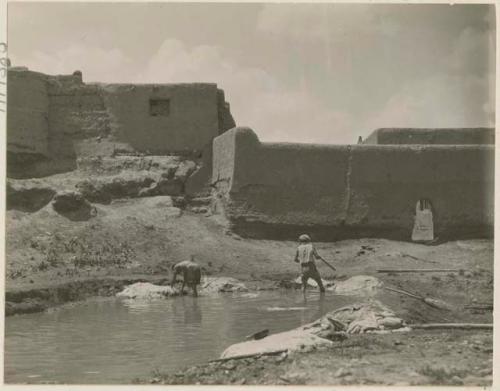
pixel 115 341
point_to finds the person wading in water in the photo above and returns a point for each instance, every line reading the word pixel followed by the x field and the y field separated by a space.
pixel 191 273
pixel 306 255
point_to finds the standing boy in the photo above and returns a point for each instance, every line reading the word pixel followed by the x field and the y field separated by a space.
pixel 306 255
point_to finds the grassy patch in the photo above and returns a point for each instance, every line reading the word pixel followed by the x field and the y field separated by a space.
pixel 439 375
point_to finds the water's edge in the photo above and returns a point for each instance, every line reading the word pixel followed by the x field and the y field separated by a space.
pixel 24 301
pixel 39 299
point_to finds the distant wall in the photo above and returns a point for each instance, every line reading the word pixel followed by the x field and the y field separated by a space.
pixel 54 120
pixel 279 190
pixel 444 136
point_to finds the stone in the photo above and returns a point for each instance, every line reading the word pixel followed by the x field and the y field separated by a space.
pixel 456 381
pixel 185 169
pixel 28 196
pixel 199 209
pixel 72 205
pixel 342 372
pixel 94 191
pixel 172 212
pixel 485 372
pixel 230 365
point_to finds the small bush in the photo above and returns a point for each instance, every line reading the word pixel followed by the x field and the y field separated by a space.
pixel 438 375
pixel 103 255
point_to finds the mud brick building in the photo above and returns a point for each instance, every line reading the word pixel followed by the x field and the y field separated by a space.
pixel 52 120
pixel 399 183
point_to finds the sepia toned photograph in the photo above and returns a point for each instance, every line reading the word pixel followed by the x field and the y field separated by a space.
pixel 249 193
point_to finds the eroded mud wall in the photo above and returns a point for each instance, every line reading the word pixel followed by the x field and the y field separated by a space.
pixel 27 119
pixel 33 147
pixel 280 190
pixel 226 120
pixel 55 120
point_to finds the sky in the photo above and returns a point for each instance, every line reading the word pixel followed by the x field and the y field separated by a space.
pixel 314 73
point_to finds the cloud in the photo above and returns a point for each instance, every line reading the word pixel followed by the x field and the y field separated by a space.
pixel 329 72
pixel 473 52
pixel 316 21
pixel 443 100
pixel 257 99
pixel 459 94
pixel 96 64
pixel 275 111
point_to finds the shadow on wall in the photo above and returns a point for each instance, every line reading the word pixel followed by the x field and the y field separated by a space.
pixel 32 165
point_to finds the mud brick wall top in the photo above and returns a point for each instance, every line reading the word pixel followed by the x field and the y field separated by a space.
pixel 443 136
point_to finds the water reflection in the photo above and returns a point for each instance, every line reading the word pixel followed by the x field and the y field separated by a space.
pixel 192 311
pixel 113 341
pixel 321 306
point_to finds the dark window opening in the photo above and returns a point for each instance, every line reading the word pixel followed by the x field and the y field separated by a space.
pixel 159 107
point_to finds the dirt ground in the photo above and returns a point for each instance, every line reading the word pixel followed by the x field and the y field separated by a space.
pixel 140 238
pixel 416 358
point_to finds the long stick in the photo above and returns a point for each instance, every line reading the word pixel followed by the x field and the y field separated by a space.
pixel 273 353
pixel 479 307
pixel 427 300
pixel 403 292
pixel 330 266
pixel 487 326
pixel 416 270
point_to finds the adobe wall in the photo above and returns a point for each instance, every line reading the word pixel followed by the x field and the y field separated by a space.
pixel 443 136
pixel 27 113
pixel 53 120
pixel 280 190
pixel 226 120
pixel 191 123
pixel 31 145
